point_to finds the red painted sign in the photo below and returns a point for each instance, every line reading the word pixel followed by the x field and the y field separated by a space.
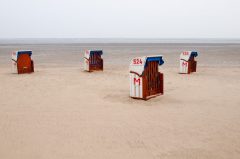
pixel 186 53
pixel 137 81
pixel 137 61
pixel 184 64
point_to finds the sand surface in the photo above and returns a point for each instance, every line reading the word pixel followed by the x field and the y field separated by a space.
pixel 61 112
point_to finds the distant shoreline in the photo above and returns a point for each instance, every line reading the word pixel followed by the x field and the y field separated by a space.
pixel 115 40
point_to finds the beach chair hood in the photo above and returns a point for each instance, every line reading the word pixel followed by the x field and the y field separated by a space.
pixel 15 54
pixel 138 64
pixel 186 55
pixel 88 53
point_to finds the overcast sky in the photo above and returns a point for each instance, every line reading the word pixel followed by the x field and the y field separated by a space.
pixel 119 18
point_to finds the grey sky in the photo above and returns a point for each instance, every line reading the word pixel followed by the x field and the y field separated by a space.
pixel 119 19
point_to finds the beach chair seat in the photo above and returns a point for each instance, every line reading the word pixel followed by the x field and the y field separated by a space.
pixel 188 64
pixel 93 60
pixel 145 79
pixel 22 62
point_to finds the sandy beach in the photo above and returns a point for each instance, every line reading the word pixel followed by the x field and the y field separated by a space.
pixel 61 112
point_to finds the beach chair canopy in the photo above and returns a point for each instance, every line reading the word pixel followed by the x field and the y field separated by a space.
pixel 17 53
pixel 88 53
pixel 186 55
pixel 138 64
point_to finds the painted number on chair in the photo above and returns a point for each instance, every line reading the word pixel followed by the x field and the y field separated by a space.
pixel 137 61
pixel 137 81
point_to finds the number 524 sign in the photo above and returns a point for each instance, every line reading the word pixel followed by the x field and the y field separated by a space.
pixel 137 61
